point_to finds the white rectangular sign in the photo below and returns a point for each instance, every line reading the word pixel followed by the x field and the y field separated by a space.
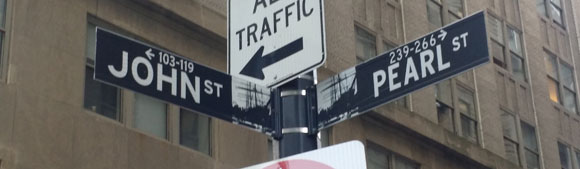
pixel 272 41
pixel 347 155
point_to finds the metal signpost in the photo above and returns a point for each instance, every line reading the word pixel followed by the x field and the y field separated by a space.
pixel 145 69
pixel 278 44
pixel 434 57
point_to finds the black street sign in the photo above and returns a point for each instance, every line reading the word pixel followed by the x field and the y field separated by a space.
pixel 166 76
pixel 434 57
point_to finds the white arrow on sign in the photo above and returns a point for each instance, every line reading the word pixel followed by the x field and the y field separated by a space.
pixel 149 54
pixel 442 34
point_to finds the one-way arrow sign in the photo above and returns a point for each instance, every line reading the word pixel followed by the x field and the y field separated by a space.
pixel 258 62
pixel 272 42
pixel 437 56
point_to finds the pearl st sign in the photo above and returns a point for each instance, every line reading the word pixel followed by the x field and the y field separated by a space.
pixel 272 41
pixel 434 57
pixel 160 74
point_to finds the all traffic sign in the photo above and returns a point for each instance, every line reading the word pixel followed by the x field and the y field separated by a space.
pixel 434 57
pixel 272 41
pixel 166 76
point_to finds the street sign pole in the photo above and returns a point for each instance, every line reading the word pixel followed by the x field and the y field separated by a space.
pixel 296 128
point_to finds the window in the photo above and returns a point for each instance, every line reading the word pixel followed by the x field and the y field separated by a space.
pixel 517 61
pixel 150 116
pixel 514 41
pixel 381 158
pixel 530 143
pixel 445 116
pixel 438 17
pixel 578 157
pixel 444 105
pixel 555 10
pixel 510 137
pixel 561 85
pixel 377 159
pixel 194 131
pixel 514 62
pixel 455 7
pixel 553 86
pixel 402 163
pixel 468 119
pixel 366 47
pixel 99 97
pixel 569 92
pixel 461 110
pixel 496 29
pixel 388 46
pixel 564 153
pixel 434 13
pixel 2 28
pixel 496 34
pixel 541 7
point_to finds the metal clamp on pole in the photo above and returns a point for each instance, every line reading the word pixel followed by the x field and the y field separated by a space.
pixel 286 93
pixel 306 77
pixel 294 114
pixel 295 130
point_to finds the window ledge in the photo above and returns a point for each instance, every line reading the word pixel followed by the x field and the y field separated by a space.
pixel 562 109
pixel 101 117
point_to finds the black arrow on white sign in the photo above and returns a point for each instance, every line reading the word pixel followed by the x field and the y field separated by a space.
pixel 259 62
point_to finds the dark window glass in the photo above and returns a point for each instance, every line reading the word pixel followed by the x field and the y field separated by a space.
pixel 569 100
pixel 3 14
pixel 194 131
pixel 564 153
pixel 365 45
pixel 567 77
pixel 434 13
pixel 496 29
pixel 469 128
pixel 387 47
pixel 529 136
pixel 377 159
pixel 532 159
pixel 445 116
pixel 511 151
pixel 508 122
pixel 557 14
pixel 455 6
pixel 518 67
pixel 402 163
pixel 551 66
pixel 466 102
pixel 150 116
pixel 99 97
pixel 380 158
pixel 578 157
pixel 541 7
pixel 443 92
pixel 514 41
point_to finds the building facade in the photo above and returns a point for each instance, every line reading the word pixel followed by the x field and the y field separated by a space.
pixel 518 111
